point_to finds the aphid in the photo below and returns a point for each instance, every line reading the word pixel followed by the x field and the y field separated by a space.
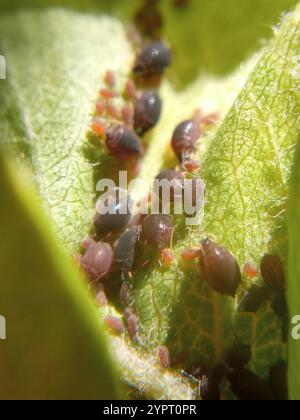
pixel 101 299
pixel 238 356
pixel 157 231
pixel 164 356
pixel 148 19
pixel 272 271
pixel 152 60
pixel 97 260
pixel 191 165
pixel 132 323
pixel 247 386
pixel 219 268
pixel 176 183
pixel 123 143
pixel 110 78
pixel 278 380
pixel 112 110
pixel 130 91
pixel 279 304
pixel 254 298
pixel 210 119
pixel 190 254
pixel 184 139
pixel 100 107
pixel 114 324
pixel 112 216
pixel 147 111
pixel 98 129
pixel 250 269
pixel 167 256
pixel 107 93
pixel 125 251
pixel 210 384
pixel 127 115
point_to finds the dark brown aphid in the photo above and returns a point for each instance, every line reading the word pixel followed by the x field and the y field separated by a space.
pixel 116 215
pixel 238 356
pixel 123 143
pixel 147 111
pixel 279 305
pixel 247 386
pixel 148 19
pixel 157 231
pixel 114 324
pixel 254 298
pixel 152 60
pixel 125 251
pixel 97 260
pixel 210 385
pixel 164 356
pixel 176 182
pixel 278 380
pixel 219 268
pixel 184 139
pixel 132 323
pixel 272 271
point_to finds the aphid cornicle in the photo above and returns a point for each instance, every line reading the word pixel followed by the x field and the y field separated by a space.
pixel 152 60
pixel 184 139
pixel 147 111
pixel 247 386
pixel 157 231
pixel 123 143
pixel 125 251
pixel 219 268
pixel 272 271
pixel 278 380
pixel 238 356
pixel 116 215
pixel 97 260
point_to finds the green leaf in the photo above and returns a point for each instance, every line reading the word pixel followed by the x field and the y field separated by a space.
pixel 47 103
pixel 293 277
pixel 246 170
pixel 55 347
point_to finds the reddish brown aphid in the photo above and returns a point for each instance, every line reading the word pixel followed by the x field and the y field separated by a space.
pixel 219 268
pixel 147 111
pixel 130 90
pixel 98 129
pixel 132 323
pixel 167 256
pixel 157 231
pixel 176 181
pixel 272 271
pixel 110 78
pixel 184 139
pixel 250 269
pixel 190 254
pixel 152 60
pixel 191 165
pixel 164 356
pixel 114 324
pixel 101 299
pixel 112 110
pixel 123 143
pixel 127 115
pixel 97 260
pixel 108 93
pixel 100 108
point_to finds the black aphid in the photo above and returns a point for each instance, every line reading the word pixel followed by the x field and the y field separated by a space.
pixel 123 143
pixel 125 251
pixel 152 60
pixel 254 298
pixel 272 271
pixel 147 111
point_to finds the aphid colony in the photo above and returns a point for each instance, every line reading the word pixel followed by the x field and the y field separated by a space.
pixel 119 236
